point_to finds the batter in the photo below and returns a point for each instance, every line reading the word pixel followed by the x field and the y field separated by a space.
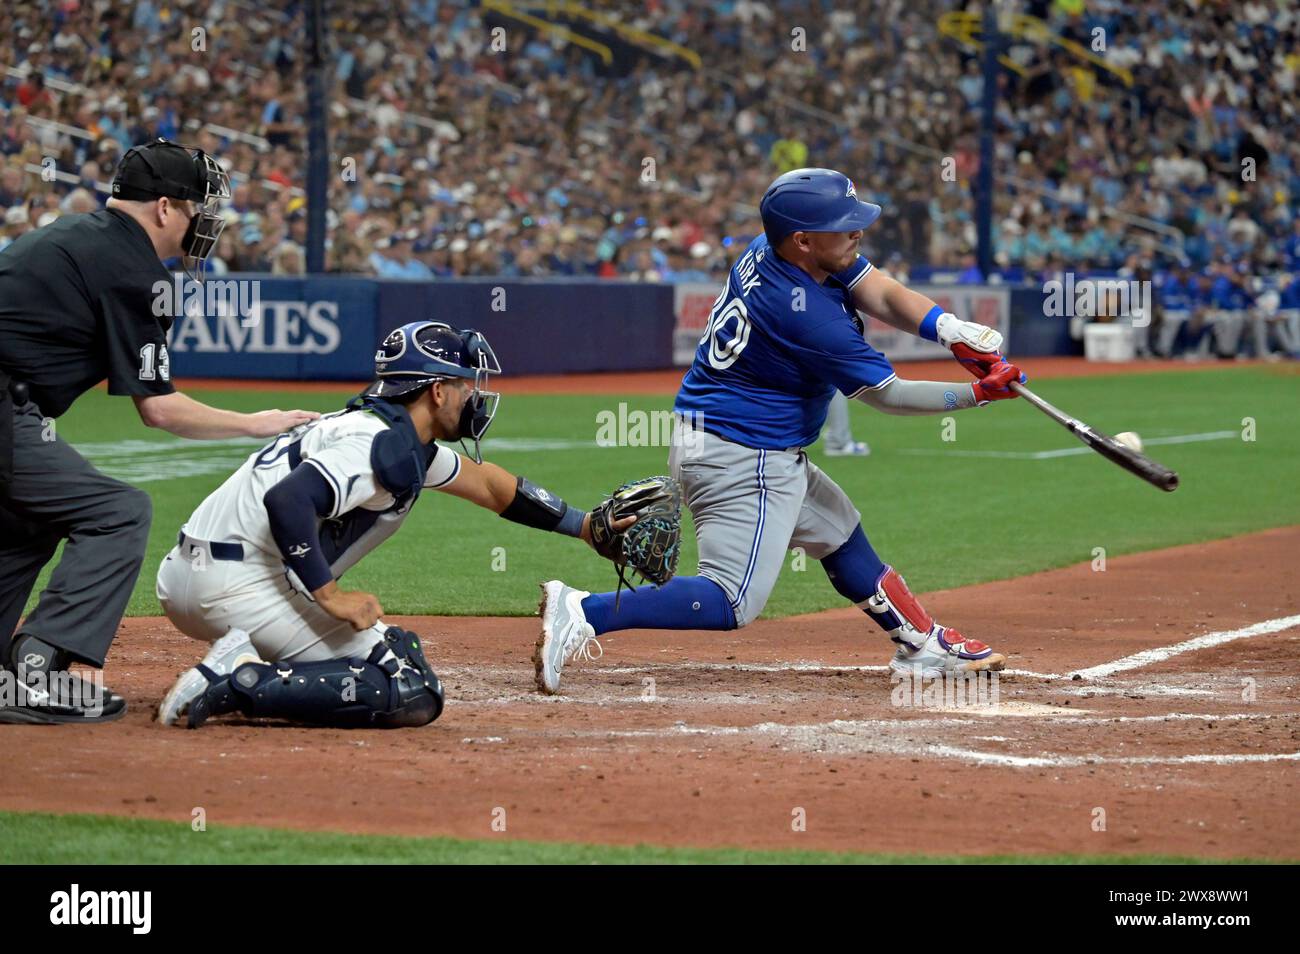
pixel 783 337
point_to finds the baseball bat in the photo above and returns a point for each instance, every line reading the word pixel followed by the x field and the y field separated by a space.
pixel 1153 473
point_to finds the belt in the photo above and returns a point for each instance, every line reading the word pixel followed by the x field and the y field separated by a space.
pixel 232 552
pixel 704 430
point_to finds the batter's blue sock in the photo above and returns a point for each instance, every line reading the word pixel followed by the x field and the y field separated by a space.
pixel 686 602
pixel 854 568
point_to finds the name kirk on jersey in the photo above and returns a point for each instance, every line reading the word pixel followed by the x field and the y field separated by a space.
pixel 632 427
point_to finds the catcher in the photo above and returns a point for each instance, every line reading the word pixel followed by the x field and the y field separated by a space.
pixel 255 569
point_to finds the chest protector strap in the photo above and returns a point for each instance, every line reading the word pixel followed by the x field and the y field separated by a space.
pixel 397 456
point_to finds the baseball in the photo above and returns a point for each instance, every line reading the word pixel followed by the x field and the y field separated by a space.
pixel 1130 440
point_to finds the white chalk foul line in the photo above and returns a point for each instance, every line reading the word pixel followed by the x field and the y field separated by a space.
pixel 1137 689
pixel 1150 656
pixel 943 719
pixel 839 738
pixel 788 667
pixel 144 461
pixel 1073 761
pixel 1136 661
pixel 1150 689
pixel 1063 451
pixel 141 461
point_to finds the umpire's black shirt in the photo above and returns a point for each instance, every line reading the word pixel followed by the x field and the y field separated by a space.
pixel 77 306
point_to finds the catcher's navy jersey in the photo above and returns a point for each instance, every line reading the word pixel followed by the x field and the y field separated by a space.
pixel 777 347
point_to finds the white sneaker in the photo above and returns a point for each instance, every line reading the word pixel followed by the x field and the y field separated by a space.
pixel 230 651
pixel 854 449
pixel 565 634
pixel 945 650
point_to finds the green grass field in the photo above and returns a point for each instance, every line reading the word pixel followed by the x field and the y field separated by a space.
pixel 946 512
pixel 943 517
pixel 31 838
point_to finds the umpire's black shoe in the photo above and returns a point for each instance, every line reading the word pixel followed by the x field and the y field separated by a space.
pixel 88 690
pixel 55 697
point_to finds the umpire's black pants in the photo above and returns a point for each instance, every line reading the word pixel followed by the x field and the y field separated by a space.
pixel 55 494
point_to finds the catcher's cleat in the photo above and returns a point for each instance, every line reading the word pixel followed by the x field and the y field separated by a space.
pixel 944 651
pixel 231 650
pixel 854 449
pixel 565 634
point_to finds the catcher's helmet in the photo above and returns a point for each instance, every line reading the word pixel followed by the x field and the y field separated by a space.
pixel 421 352
pixel 813 200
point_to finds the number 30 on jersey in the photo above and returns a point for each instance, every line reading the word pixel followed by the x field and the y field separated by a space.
pixel 728 331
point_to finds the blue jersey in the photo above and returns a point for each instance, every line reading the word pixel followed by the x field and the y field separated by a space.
pixel 1290 297
pixel 776 348
pixel 1177 295
pixel 1228 295
pixel 1292 252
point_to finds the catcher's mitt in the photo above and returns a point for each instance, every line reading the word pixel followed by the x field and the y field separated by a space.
pixel 652 544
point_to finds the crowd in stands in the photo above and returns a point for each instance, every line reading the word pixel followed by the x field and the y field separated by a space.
pixel 1221 311
pixel 460 151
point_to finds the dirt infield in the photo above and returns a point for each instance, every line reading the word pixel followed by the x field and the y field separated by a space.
pixel 728 738
pixel 667 382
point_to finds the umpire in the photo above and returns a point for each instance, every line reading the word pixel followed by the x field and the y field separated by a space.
pixel 78 305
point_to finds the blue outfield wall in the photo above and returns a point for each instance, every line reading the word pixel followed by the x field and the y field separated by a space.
pixel 547 327
pixel 277 328
pixel 327 327
pixel 1033 333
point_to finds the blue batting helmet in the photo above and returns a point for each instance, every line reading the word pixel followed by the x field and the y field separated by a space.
pixel 813 200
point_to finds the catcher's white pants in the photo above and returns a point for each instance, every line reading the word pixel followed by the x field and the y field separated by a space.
pixel 205 598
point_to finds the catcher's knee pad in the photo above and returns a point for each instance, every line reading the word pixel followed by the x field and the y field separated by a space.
pixel 898 612
pixel 393 687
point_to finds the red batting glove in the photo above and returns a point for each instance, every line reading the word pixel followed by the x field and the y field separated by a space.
pixel 978 363
pixel 996 385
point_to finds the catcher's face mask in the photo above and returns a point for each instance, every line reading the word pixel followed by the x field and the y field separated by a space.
pixel 481 404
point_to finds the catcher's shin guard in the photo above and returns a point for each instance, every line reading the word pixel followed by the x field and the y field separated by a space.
pixel 392 688
pixel 898 612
